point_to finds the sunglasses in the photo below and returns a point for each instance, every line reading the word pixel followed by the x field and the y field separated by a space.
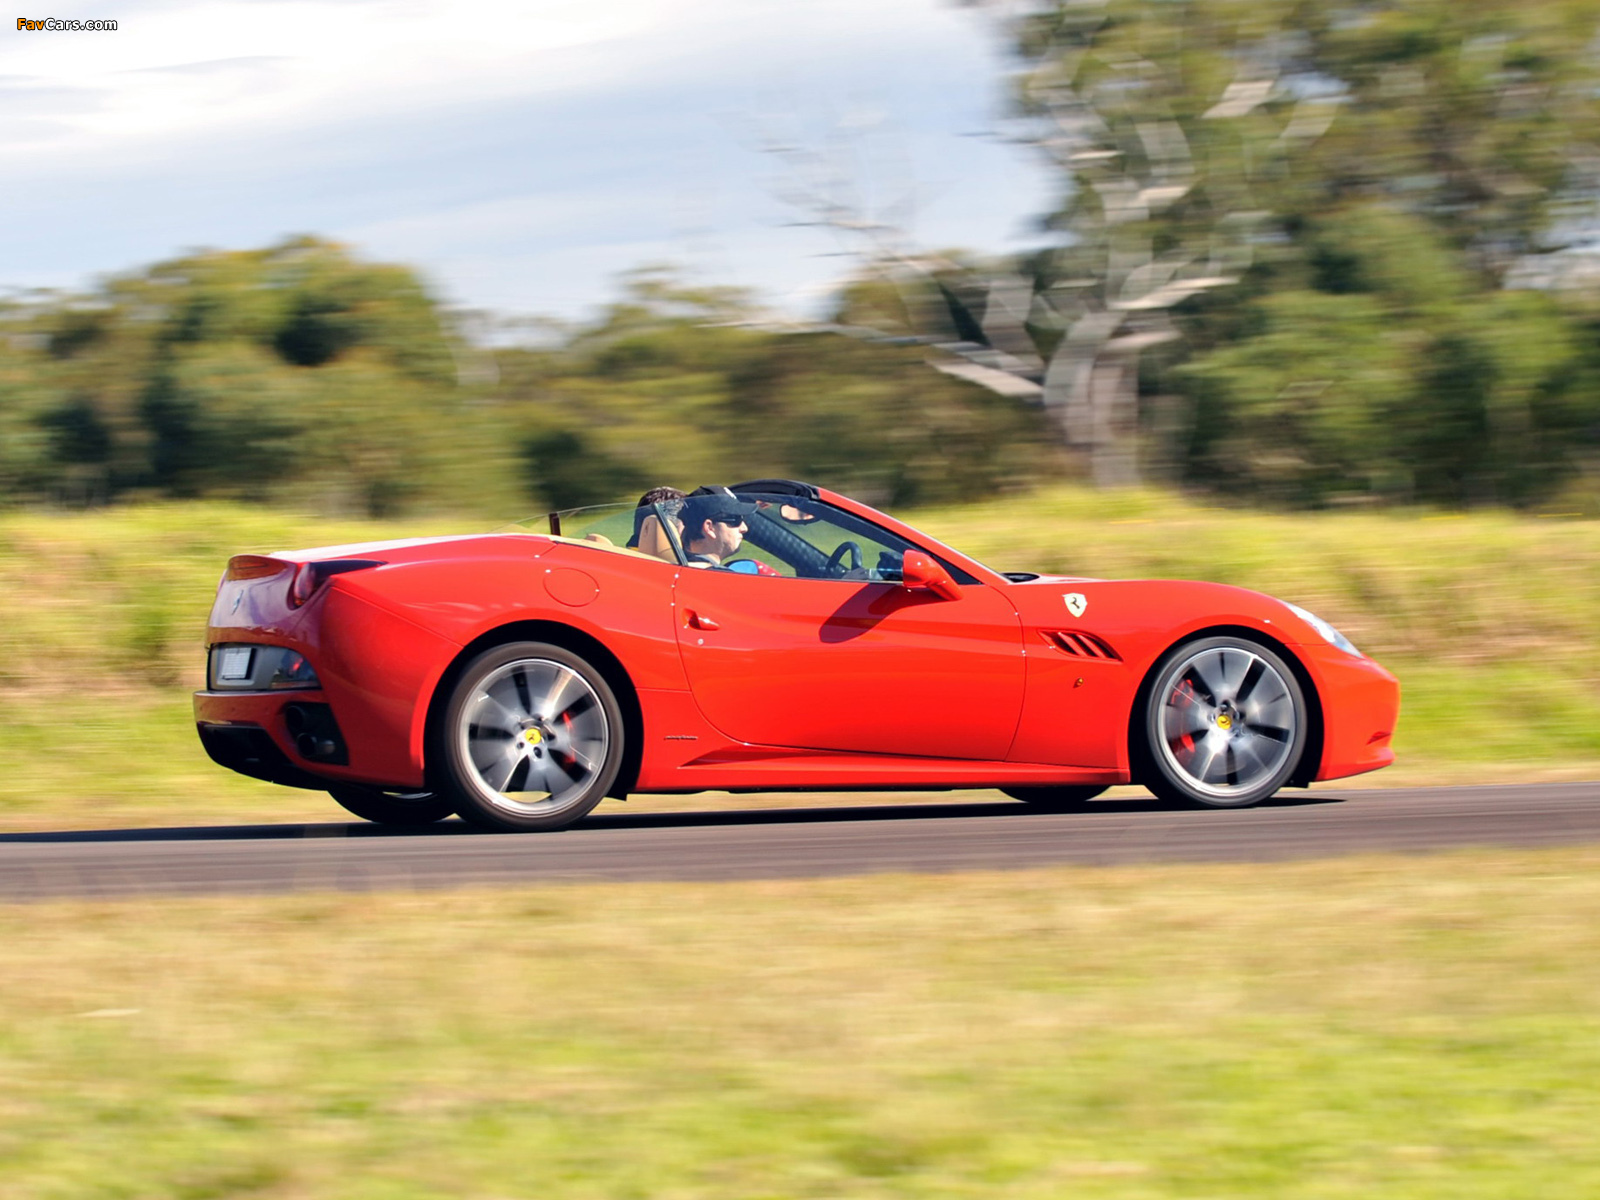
pixel 729 519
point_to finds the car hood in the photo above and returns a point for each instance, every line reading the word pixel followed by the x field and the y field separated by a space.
pixel 1162 608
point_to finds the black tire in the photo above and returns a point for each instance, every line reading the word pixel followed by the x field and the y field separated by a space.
pixel 1060 798
pixel 531 739
pixel 392 808
pixel 1225 723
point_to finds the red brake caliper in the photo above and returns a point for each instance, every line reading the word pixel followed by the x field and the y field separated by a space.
pixel 1183 698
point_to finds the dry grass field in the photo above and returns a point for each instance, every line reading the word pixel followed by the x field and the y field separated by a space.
pixel 1363 1027
pixel 1487 619
pixel 1420 1028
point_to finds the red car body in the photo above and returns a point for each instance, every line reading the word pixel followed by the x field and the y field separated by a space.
pixel 729 681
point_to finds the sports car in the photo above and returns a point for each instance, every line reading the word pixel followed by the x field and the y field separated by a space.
pixel 768 636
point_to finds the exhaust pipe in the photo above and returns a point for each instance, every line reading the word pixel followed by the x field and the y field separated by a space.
pixel 315 733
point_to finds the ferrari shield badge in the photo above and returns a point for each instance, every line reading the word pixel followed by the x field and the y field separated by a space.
pixel 1076 603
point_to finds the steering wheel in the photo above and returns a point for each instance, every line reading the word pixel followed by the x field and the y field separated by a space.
pixel 836 559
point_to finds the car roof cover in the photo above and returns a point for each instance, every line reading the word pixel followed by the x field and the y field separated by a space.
pixel 777 487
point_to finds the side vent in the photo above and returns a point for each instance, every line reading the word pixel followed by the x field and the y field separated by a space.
pixel 1081 645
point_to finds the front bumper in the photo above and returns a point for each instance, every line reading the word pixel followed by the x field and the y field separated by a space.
pixel 1360 707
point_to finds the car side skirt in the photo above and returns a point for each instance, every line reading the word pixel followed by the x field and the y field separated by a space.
pixel 684 753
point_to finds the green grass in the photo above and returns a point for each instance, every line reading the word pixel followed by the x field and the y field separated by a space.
pixel 102 641
pixel 1420 1028
pixel 1424 1028
pixel 1488 619
pixel 1460 589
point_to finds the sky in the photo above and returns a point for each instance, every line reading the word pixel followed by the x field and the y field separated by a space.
pixel 521 156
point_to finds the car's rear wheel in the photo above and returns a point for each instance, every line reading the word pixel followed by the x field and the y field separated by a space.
pixel 532 738
pixel 392 808
pixel 1063 798
pixel 1225 723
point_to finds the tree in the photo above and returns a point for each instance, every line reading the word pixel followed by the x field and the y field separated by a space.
pixel 1402 156
pixel 686 386
pixel 1226 167
pixel 250 374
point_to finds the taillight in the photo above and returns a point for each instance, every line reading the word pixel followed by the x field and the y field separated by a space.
pixel 293 671
pixel 309 576
pixel 303 584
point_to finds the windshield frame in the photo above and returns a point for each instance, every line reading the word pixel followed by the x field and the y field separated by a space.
pixel 558 525
pixel 840 512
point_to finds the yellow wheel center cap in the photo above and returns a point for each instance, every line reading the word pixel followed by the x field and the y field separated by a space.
pixel 533 737
pixel 1224 721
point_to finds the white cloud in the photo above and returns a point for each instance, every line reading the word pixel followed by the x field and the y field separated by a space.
pixel 189 69
pixel 183 68
pixel 536 141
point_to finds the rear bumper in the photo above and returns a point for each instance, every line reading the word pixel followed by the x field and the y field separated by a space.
pixel 289 737
pixel 377 671
pixel 250 750
pixel 1360 706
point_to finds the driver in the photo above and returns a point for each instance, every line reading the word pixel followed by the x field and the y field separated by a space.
pixel 713 525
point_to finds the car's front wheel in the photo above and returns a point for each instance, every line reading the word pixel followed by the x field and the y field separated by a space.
pixel 1225 723
pixel 392 808
pixel 531 738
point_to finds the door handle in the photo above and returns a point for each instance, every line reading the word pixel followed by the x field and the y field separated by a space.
pixel 696 621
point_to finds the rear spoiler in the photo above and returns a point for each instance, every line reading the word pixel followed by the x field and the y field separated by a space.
pixel 308 576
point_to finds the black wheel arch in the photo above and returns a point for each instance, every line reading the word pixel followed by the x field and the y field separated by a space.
pixel 590 648
pixel 1305 770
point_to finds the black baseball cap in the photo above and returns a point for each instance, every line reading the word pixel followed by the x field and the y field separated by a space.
pixel 714 503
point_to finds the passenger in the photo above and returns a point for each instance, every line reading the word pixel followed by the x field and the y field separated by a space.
pixel 713 525
pixel 648 535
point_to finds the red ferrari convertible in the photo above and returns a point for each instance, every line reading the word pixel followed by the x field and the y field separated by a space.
pixel 768 636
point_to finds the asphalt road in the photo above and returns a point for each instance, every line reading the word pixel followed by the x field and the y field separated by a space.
pixel 787 843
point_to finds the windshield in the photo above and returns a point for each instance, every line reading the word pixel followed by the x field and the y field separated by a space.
pixel 756 533
pixel 802 538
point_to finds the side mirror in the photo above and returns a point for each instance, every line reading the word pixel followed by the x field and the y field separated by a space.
pixel 921 573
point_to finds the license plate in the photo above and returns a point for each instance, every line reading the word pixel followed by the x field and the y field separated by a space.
pixel 234 662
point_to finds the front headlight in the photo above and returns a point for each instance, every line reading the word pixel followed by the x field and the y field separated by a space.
pixel 1326 630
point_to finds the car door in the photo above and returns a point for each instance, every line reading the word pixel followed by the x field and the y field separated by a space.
pixel 852 665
